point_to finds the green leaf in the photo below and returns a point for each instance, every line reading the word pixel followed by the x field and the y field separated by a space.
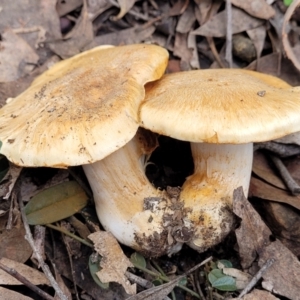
pixel 287 2
pixel 138 260
pixel 221 281
pixel 226 263
pixel 4 166
pixel 94 267
pixel 157 282
pixel 0 145
pixel 226 283
pixel 56 203
pixel 214 275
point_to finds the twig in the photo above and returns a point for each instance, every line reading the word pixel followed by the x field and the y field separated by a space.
pixel 228 51
pixel 140 281
pixel 282 150
pixel 38 256
pixel 66 232
pixel 26 282
pixel 198 286
pixel 39 242
pixel 256 277
pixel 74 174
pixel 214 51
pixel 285 41
pixel 291 184
pixel 71 264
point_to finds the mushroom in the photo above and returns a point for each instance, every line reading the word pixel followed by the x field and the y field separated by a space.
pixel 84 111
pixel 221 112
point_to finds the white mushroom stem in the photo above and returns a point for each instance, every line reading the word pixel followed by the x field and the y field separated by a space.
pixel 218 170
pixel 126 203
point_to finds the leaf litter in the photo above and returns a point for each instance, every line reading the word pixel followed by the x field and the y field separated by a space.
pixel 194 32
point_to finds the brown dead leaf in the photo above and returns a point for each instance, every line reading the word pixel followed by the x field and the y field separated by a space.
pixel 14 88
pixel 215 27
pixel 259 294
pixel 7 294
pixel 77 39
pixel 9 181
pixel 253 238
pixel 125 6
pixel 186 20
pixel 256 8
pixel 275 65
pixel 37 21
pixel 133 35
pixel 260 189
pixel 242 279
pixel 64 7
pixel 114 263
pixel 253 234
pixel 293 138
pixel 285 39
pixel 34 276
pixel 178 8
pixel 17 58
pixel 263 170
pixel 283 277
pixel 258 36
pixel 181 50
pixel 97 7
pixel 19 251
pixel 284 221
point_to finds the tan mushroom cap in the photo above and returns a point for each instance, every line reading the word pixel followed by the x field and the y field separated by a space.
pixel 221 106
pixel 82 109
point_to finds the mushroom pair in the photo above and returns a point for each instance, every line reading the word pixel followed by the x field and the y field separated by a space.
pixel 86 111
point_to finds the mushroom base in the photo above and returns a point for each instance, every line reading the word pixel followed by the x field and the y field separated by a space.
pixel 219 170
pixel 137 214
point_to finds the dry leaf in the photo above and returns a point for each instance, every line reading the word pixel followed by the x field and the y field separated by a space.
pixel 125 6
pixel 258 36
pixel 114 263
pixel 259 294
pixel 293 138
pixel 285 30
pixel 284 221
pixel 19 251
pixel 64 7
pixel 18 53
pixel 11 176
pixel 133 35
pixel 37 21
pixel 97 7
pixel 7 294
pixel 253 238
pixel 36 277
pixel 215 27
pixel 263 190
pixel 263 170
pixel 256 8
pixel 186 20
pixel 242 279
pixel 77 39
pixel 275 65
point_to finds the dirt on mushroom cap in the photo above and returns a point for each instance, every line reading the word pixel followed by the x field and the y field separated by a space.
pixel 221 106
pixel 82 109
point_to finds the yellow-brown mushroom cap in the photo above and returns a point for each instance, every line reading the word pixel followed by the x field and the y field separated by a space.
pixel 221 106
pixel 82 109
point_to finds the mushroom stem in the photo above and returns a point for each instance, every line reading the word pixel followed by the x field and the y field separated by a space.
pixel 127 204
pixel 218 170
